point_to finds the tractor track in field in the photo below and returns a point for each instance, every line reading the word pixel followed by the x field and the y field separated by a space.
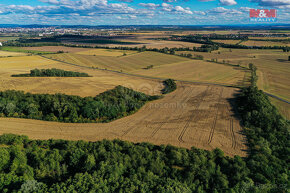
pixel 234 143
pixel 193 114
pixel 164 122
pixel 215 118
pixel 156 78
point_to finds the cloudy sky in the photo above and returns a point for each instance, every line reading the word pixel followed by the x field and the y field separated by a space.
pixel 136 12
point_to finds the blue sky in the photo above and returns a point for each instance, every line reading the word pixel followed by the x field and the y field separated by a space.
pixel 136 12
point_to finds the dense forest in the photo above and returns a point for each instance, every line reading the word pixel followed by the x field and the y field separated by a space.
pixel 115 166
pixel 107 106
pixel 52 73
pixel 268 138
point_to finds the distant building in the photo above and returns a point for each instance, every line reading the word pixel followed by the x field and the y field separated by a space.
pixel 1 44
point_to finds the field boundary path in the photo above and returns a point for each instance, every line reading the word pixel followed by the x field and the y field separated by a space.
pixel 156 78
pixel 142 76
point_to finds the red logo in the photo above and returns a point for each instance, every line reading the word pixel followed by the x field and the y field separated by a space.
pixel 263 13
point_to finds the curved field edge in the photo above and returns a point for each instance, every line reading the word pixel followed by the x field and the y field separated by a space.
pixel 185 117
pixel 107 106
pixel 157 168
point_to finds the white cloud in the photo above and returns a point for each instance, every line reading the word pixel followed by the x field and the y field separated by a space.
pixel 183 10
pixel 228 2
pixel 282 4
pixel 132 16
pixel 149 5
pixel 199 12
pixel 245 9
pixel 177 9
pixel 223 11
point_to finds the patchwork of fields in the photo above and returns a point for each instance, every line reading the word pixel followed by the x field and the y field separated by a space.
pixel 194 115
pixel 164 66
pixel 88 86
pixel 273 67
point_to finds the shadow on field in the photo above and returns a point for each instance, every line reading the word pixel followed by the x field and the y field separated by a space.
pixel 282 60
pixel 236 114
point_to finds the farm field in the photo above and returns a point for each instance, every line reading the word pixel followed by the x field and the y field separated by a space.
pixel 10 54
pixel 264 43
pixel 56 49
pixel 164 66
pixel 227 41
pixel 88 86
pixel 6 38
pixel 160 44
pixel 282 107
pixel 193 115
pixel 273 68
pixel 269 38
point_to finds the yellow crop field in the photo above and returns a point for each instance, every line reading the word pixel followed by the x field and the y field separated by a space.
pixel 264 43
pixel 106 52
pixel 164 66
pixel 56 49
pixel 24 62
pixel 273 68
pixel 193 115
pixel 9 54
pixel 88 86
pixel 227 41
pixel 196 70
pixel 124 63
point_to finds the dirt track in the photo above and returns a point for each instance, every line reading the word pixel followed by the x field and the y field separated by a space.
pixel 193 115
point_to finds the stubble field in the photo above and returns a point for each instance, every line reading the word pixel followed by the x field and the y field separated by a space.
pixel 273 69
pixel 164 66
pixel 193 115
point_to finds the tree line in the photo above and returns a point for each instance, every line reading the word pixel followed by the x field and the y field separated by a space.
pixel 169 86
pixel 51 73
pixel 207 41
pixel 107 106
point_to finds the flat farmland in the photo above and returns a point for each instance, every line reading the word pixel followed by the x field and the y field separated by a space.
pixel 282 107
pixel 159 44
pixel 83 51
pixel 125 63
pixel 193 115
pixel 273 69
pixel 227 41
pixel 196 70
pixel 82 86
pixel 164 66
pixel 10 54
pixel 56 49
pixel 270 38
pixel 264 43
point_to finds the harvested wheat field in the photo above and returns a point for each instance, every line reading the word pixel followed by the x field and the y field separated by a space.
pixel 107 52
pixel 82 86
pixel 193 115
pixel 264 43
pixel 56 49
pixel 164 66
pixel 10 54
pixel 125 63
pixel 227 41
